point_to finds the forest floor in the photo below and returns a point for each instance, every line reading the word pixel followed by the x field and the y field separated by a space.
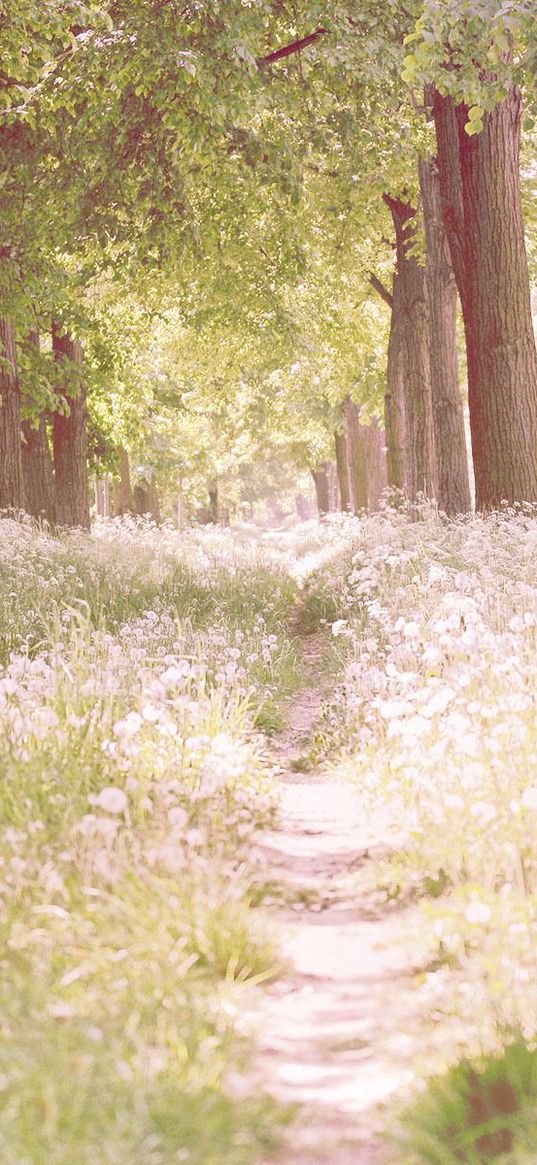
pixel 332 1042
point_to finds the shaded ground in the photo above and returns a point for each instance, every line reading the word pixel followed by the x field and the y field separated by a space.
pixel 332 1028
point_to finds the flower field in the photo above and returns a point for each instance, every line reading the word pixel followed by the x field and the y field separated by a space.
pixel 435 628
pixel 132 778
pixel 143 674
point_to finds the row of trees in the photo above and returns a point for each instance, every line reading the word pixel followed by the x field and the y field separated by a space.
pixel 230 232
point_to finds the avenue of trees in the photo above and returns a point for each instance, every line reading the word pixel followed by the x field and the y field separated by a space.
pixel 245 241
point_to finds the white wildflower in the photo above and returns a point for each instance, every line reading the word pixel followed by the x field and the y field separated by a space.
pixel 110 799
pixel 529 797
pixel 478 912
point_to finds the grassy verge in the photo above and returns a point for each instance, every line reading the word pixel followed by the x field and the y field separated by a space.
pixel 435 624
pixel 132 780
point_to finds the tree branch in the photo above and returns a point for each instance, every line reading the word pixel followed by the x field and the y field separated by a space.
pixel 381 289
pixel 403 209
pixel 289 50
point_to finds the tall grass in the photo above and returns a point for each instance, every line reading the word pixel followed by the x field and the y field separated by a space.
pixel 132 779
pixel 435 625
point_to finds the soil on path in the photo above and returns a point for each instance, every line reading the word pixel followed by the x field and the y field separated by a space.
pixel 333 1026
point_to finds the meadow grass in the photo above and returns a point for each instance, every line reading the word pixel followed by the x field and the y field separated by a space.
pixel 133 778
pixel 435 627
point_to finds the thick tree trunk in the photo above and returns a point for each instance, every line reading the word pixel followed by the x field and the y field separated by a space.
pixel 70 437
pixel 123 500
pixel 480 188
pixel 420 468
pixel 394 400
pixel 322 488
pixel 37 465
pixel 357 449
pixel 453 484
pixel 342 463
pixel 377 471
pixel 11 475
pixel 38 470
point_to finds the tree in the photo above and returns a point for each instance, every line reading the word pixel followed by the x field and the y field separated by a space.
pixel 470 54
pixel 70 435
pixel 452 478
pixel 415 353
pixel 480 185
pixel 342 465
pixel 11 477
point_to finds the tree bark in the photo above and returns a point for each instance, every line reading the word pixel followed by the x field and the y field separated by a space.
pixel 333 487
pixel 377 471
pixel 394 400
pixel 11 474
pixel 213 501
pixel 38 470
pixel 123 500
pixel 322 488
pixel 70 436
pixel 37 465
pixel 453 484
pixel 98 495
pixel 420 467
pixel 357 446
pixel 106 495
pixel 480 189
pixel 342 463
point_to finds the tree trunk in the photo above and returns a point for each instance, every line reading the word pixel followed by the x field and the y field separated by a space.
pixel 304 507
pixel 333 487
pixel 123 500
pixel 141 498
pixel 11 475
pixel 342 463
pixel 480 189
pixel 322 488
pixel 453 484
pixel 70 437
pixel 394 400
pixel 377 471
pixel 421 470
pixel 213 501
pixel 106 495
pixel 357 448
pixel 98 496
pixel 37 465
pixel 38 470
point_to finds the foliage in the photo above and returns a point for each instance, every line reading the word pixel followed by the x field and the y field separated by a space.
pixel 480 1111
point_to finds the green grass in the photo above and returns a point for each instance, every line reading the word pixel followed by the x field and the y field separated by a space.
pixel 481 1111
pixel 132 781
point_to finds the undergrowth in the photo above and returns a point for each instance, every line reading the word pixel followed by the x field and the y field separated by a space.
pixel 133 778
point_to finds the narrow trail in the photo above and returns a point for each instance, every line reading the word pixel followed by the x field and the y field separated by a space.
pixel 333 1026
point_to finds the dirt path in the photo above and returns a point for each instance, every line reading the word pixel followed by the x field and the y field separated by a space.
pixel 332 1028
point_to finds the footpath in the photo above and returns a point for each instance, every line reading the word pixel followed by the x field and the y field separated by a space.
pixel 332 1027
